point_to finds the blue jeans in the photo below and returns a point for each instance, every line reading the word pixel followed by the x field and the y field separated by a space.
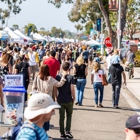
pixel 98 86
pixel 80 86
pixel 115 93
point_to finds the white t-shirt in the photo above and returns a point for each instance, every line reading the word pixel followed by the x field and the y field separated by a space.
pixel 97 75
pixel 32 59
pixel 108 60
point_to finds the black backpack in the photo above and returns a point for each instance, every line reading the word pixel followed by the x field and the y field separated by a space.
pixel 23 70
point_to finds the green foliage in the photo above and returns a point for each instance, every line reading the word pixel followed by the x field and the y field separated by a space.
pixel 88 26
pixel 55 32
pixel 79 27
pixel 42 29
pixel 15 26
pixel 133 17
pixel 43 32
pixel 13 6
pixel 30 26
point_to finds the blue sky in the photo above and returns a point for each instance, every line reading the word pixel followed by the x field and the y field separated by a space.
pixel 42 14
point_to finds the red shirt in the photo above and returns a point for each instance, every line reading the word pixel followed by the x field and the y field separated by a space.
pixel 54 66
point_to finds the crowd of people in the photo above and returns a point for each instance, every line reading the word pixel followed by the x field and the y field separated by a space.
pixel 54 70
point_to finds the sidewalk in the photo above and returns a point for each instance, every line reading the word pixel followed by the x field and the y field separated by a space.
pixel 133 84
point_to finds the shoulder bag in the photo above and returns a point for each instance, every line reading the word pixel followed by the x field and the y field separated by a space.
pixel 104 81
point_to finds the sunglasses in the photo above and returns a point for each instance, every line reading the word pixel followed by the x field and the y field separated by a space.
pixel 136 130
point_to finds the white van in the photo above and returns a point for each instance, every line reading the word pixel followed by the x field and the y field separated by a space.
pixel 139 46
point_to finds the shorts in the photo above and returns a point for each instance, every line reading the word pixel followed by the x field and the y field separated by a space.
pixel 85 60
pixel 33 69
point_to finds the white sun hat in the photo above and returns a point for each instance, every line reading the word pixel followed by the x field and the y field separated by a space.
pixel 39 103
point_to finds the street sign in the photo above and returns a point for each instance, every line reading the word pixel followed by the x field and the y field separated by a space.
pixel 113 5
pixel 107 42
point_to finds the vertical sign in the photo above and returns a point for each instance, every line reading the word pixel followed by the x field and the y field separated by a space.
pixel 113 5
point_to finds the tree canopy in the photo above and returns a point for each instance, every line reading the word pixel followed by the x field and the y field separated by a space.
pixel 13 6
pixel 15 26
pixel 32 27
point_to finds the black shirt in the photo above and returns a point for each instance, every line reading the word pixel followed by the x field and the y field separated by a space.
pixel 80 71
pixel 65 95
pixel 116 71
pixel 24 65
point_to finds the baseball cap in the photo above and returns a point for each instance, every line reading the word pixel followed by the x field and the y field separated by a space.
pixel 133 122
pixel 39 103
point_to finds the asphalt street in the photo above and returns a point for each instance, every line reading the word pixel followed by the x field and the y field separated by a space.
pixel 90 123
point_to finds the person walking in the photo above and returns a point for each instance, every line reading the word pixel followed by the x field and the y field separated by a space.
pixel 39 110
pixel 45 83
pixel 130 60
pixel 65 99
pixel 116 71
pixel 96 80
pixel 80 71
pixel 32 57
pixel 53 64
pixel 22 67
pixel 132 128
pixel 41 53
pixel 85 55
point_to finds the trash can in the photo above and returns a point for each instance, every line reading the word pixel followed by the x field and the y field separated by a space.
pixel 14 103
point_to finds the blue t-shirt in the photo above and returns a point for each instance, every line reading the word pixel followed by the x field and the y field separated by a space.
pixel 29 134
pixel 85 54
pixel 41 53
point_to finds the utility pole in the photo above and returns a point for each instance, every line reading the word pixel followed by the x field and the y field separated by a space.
pixel 119 32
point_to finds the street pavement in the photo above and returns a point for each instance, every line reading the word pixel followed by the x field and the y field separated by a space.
pixel 134 84
pixel 90 123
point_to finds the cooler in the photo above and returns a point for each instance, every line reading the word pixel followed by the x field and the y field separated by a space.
pixel 14 101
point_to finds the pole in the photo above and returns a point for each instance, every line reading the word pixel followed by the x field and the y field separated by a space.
pixel 102 51
pixel 119 25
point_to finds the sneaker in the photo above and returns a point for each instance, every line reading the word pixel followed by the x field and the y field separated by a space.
pixel 76 103
pixel 63 136
pixel 69 135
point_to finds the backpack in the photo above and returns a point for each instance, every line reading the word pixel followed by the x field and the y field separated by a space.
pixel 13 132
pixel 23 71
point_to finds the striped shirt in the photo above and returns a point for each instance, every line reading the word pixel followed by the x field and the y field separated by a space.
pixel 29 134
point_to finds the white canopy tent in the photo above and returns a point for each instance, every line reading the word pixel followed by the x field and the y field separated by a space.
pixel 38 37
pixel 92 42
pixel 14 37
pixel 23 35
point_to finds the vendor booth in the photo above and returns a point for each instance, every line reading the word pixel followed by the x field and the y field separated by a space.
pixel 26 38
pixel 4 37
pixel 13 36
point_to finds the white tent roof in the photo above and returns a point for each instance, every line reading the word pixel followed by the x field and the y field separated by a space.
pixel 38 37
pixel 22 35
pixel 92 42
pixel 13 35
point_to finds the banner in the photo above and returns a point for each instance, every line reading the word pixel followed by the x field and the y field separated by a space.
pixel 113 5
pixel 13 80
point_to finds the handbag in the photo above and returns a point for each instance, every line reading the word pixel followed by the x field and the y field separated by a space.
pixel 104 81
